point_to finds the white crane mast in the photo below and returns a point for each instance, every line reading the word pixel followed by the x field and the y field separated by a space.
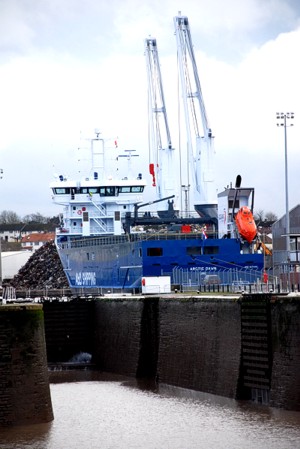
pixel 200 150
pixel 160 145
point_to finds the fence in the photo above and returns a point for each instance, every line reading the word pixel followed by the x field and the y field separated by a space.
pixel 230 281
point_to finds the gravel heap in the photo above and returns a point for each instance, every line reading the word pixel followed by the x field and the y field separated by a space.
pixel 43 269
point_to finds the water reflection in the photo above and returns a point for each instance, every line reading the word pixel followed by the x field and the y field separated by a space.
pixel 94 410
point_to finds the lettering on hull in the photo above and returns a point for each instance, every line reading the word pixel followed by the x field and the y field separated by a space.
pixel 85 278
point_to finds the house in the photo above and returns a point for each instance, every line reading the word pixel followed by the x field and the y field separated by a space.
pixel 35 240
pixel 287 261
pixel 14 232
pixel 280 238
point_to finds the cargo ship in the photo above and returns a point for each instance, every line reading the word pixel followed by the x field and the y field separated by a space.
pixel 109 239
pixel 112 237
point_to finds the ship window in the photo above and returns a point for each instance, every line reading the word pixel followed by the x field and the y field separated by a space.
pixel 88 256
pixel 154 252
pixel 140 252
pixel 124 189
pixel 110 191
pixel 61 191
pixel 107 191
pixel 89 190
pixel 211 250
pixel 137 189
pixel 132 189
pixel 194 250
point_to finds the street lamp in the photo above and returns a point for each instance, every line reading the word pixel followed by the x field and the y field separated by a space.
pixel 283 117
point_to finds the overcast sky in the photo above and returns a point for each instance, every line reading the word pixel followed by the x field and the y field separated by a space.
pixel 68 67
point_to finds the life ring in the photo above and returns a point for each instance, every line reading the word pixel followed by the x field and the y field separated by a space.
pixel 79 212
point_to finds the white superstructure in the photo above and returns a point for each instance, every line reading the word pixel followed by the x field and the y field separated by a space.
pixel 98 203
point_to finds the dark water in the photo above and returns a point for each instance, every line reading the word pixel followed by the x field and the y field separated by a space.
pixel 111 412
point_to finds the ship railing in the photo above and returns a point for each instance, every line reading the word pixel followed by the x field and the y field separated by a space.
pixel 98 241
pixel 111 239
pixel 231 280
pixel 172 236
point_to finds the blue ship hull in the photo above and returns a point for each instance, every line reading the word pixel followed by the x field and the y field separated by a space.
pixel 120 262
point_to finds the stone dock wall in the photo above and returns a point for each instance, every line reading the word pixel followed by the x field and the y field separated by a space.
pixel 200 345
pixel 24 384
pixel 285 385
pixel 245 347
pixel 242 348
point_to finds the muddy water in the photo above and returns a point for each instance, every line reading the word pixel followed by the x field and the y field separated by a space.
pixel 94 411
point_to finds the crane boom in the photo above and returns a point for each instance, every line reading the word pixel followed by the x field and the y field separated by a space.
pixel 200 150
pixel 160 145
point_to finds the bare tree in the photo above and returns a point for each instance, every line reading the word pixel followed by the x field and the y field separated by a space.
pixel 36 218
pixel 270 216
pixel 9 217
pixel 263 217
pixel 259 215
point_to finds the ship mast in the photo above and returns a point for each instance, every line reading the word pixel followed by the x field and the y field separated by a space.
pixel 200 151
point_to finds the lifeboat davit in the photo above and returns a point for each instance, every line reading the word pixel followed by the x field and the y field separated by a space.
pixel 245 223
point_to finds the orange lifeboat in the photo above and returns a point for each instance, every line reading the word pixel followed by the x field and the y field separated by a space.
pixel 246 224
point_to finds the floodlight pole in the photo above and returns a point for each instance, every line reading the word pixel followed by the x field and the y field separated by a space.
pixel 283 117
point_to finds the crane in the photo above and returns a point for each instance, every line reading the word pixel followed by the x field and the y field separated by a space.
pixel 200 149
pixel 161 151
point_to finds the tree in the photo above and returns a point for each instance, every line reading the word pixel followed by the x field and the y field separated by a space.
pixel 36 218
pixel 264 217
pixel 9 217
pixel 270 216
pixel 259 215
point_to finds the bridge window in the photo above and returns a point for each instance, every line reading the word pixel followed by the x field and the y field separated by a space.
pixel 61 190
pixel 124 189
pixel 131 189
pixel 89 190
pixel 93 190
pixel 107 191
pixel 137 189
